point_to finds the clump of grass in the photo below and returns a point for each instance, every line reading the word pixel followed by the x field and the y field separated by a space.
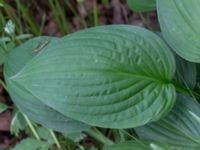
pixel 59 16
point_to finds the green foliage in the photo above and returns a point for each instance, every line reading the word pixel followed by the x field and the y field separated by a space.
pixel 142 5
pixel 180 26
pixel 180 128
pixel 3 107
pixel 24 99
pixel 186 73
pixel 31 144
pixel 59 15
pixel 139 145
pixel 45 135
pixel 18 123
pixel 2 54
pixel 125 91
pixel 75 137
pixel 116 76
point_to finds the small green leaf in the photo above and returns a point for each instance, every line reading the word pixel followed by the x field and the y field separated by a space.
pixel 180 26
pixel 180 128
pixel 115 76
pixel 75 137
pixel 2 55
pixel 93 148
pixel 4 39
pixel 4 49
pixel 19 37
pixel 45 134
pixel 24 36
pixel 31 144
pixel 142 5
pixel 18 123
pixel 3 107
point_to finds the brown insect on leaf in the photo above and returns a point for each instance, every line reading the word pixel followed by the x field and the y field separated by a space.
pixel 40 46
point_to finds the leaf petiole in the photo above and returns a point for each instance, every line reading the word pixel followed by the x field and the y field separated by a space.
pixel 55 138
pixel 31 127
pixel 3 85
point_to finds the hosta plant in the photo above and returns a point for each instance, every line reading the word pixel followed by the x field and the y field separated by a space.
pixel 118 77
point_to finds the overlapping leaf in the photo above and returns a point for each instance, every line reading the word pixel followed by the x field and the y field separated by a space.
pixel 2 55
pixel 186 73
pixel 3 107
pixel 25 100
pixel 180 128
pixel 110 76
pixel 142 5
pixel 32 144
pixel 139 145
pixel 18 123
pixel 179 21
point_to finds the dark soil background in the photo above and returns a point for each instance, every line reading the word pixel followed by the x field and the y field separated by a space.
pixel 40 12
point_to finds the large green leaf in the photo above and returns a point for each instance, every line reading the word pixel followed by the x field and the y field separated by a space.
pixel 111 76
pixel 142 5
pixel 139 145
pixel 180 128
pixel 179 21
pixel 25 100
